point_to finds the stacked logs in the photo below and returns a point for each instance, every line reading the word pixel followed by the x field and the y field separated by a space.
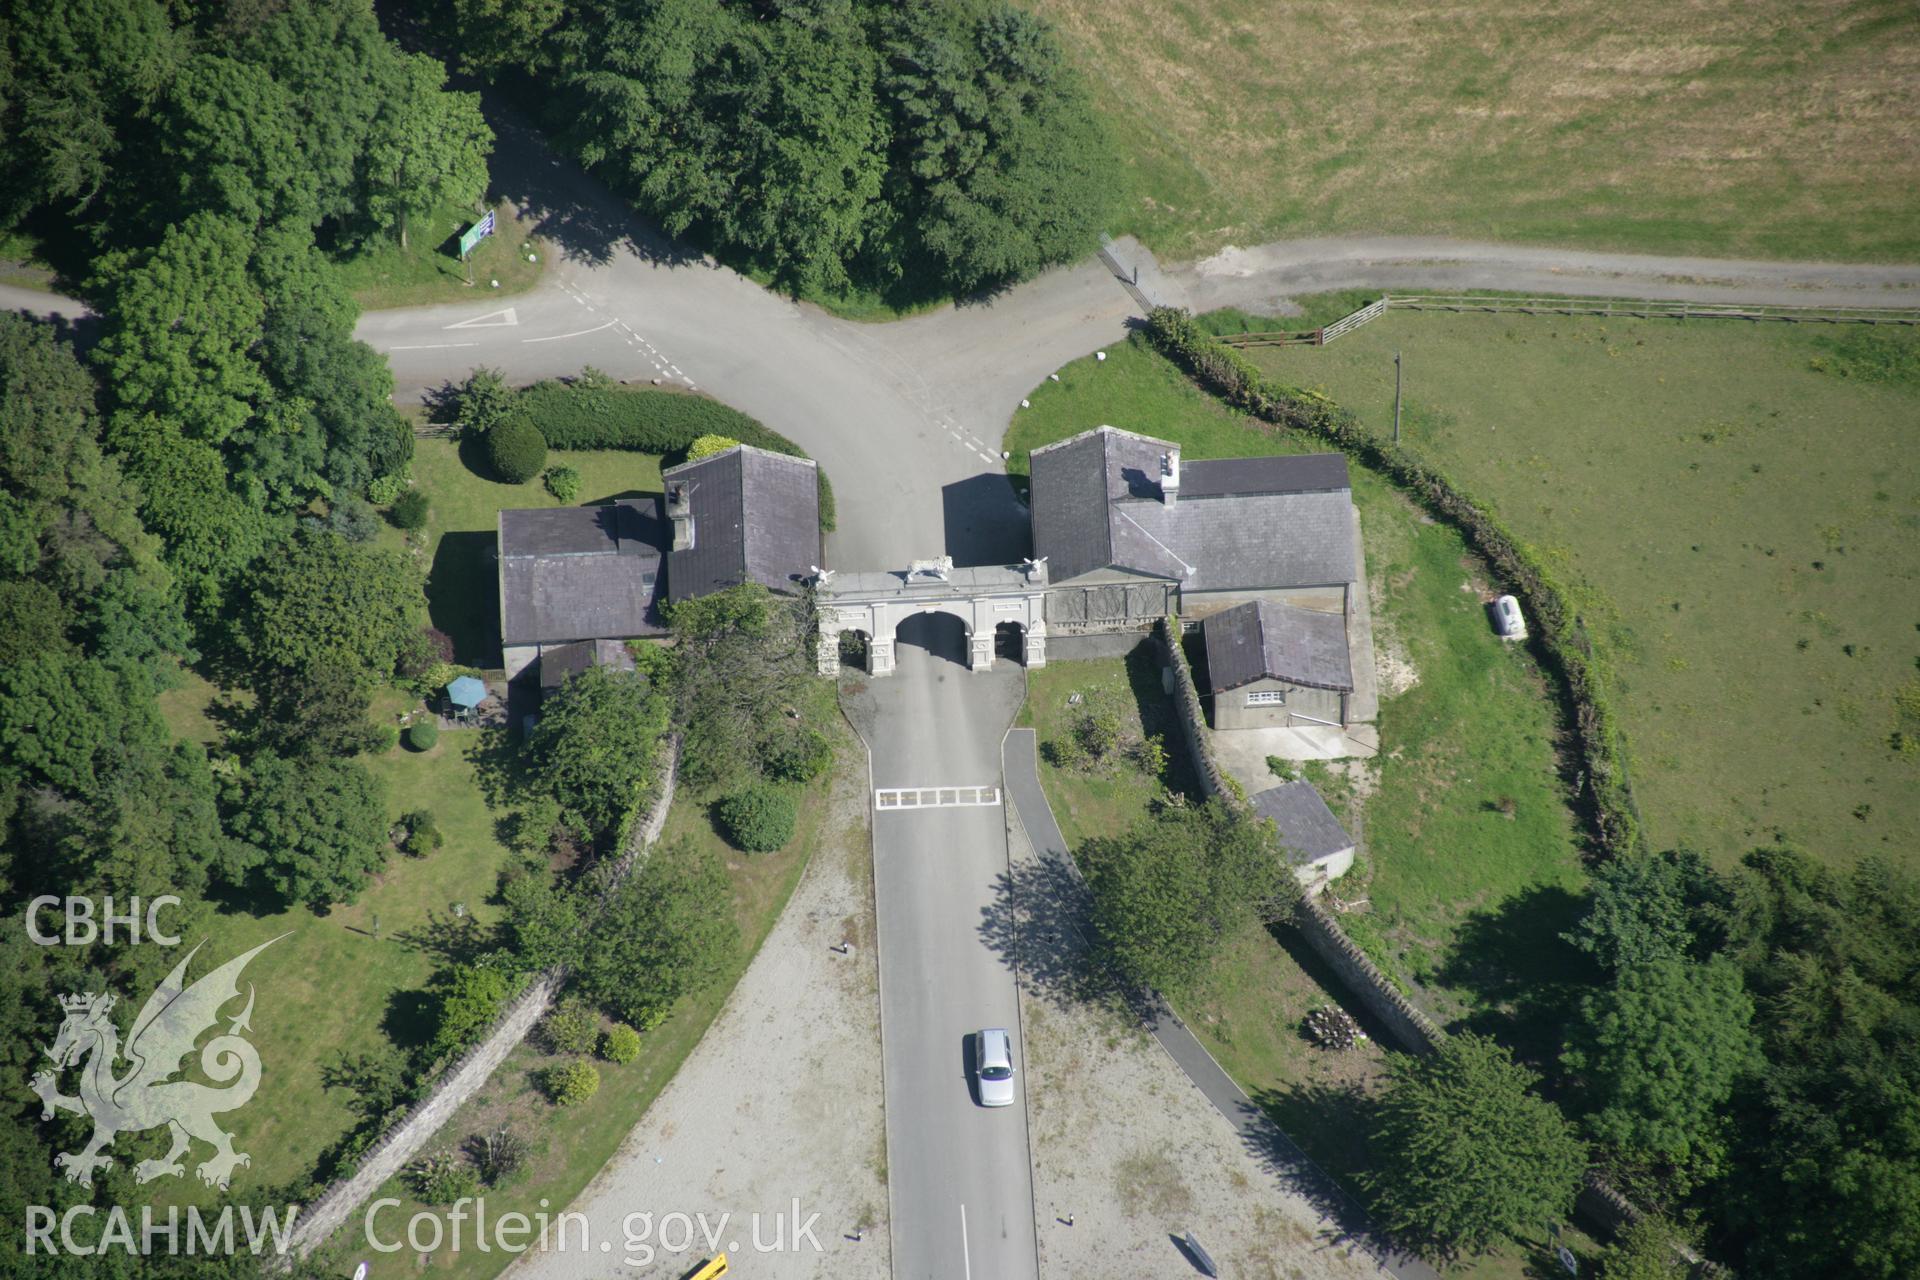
pixel 1332 1027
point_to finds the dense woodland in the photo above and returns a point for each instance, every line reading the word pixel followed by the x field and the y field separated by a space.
pixel 195 491
pixel 916 150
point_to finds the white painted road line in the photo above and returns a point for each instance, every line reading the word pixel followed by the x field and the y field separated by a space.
pixel 966 1254
pixel 491 320
pixel 434 346
pixel 889 798
pixel 578 333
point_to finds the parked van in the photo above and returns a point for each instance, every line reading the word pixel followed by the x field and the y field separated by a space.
pixel 1507 619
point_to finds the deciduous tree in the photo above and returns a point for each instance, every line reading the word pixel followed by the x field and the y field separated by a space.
pixel 315 831
pixel 1466 1151
pixel 668 932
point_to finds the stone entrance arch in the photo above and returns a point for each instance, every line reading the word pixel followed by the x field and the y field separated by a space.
pixel 980 597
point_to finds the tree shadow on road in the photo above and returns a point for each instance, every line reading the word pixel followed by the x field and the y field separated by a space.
pixel 566 206
pixel 1037 922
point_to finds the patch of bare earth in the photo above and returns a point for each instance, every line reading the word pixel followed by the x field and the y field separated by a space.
pixel 778 1112
pixel 1128 1154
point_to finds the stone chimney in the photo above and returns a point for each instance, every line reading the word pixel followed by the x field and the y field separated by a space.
pixel 1170 476
pixel 680 511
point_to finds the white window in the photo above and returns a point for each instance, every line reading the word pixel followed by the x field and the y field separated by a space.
pixel 1267 698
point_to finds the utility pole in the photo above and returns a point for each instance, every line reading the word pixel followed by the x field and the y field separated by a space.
pixel 1396 397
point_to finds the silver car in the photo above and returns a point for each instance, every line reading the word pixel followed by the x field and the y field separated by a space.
pixel 993 1066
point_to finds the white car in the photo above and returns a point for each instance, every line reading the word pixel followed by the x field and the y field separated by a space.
pixel 993 1067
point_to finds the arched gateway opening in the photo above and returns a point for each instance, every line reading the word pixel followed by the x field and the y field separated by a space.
pixel 940 634
pixel 970 615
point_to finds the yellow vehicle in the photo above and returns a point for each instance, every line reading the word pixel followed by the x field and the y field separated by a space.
pixel 711 1269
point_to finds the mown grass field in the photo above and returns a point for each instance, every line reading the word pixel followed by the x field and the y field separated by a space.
pixel 337 985
pixel 571 1144
pixel 1741 506
pixel 456 550
pixel 1727 128
pixel 1465 899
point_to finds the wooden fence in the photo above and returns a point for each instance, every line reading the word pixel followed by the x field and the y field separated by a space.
pixel 1626 308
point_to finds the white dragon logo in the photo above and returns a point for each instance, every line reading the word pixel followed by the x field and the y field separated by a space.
pixel 144 1098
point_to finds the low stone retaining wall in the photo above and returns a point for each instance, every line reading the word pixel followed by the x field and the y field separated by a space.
pixel 403 1141
pixel 1597 1202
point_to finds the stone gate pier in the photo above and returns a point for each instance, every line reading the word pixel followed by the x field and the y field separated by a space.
pixel 990 601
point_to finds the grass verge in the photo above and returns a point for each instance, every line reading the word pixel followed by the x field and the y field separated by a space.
pixel 429 269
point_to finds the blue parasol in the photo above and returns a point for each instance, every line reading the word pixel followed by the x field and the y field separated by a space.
pixel 467 691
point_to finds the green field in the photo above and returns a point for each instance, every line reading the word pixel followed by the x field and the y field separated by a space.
pixel 456 549
pixel 333 987
pixel 1742 507
pixel 1724 128
pixel 571 1144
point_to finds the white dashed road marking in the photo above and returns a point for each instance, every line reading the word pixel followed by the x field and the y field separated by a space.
pixel 889 798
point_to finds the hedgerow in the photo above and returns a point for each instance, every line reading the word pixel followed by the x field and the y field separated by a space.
pixel 1553 618
pixel 591 414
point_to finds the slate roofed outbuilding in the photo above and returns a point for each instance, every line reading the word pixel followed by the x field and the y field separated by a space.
pixel 754 516
pixel 581 573
pixel 1268 640
pixel 1101 500
pixel 1307 828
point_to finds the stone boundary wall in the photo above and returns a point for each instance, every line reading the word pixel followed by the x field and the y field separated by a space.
pixel 1193 717
pixel 1418 1033
pixel 392 1151
pixel 1415 1030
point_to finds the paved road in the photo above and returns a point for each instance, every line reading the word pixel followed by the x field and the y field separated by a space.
pixel 907 417
pixel 960 1176
pixel 1297 1174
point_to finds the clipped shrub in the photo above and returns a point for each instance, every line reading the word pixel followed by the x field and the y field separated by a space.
pixel 758 818
pixel 382 490
pixel 795 754
pixel 707 446
pixel 568 1083
pixel 620 1045
pixel 422 735
pixel 423 836
pixel 589 414
pixel 572 1027
pixel 516 450
pixel 409 511
pixel 563 483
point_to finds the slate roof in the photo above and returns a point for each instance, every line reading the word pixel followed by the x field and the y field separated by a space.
pixel 561 661
pixel 1239 524
pixel 581 573
pixel 1307 828
pixel 756 517
pixel 1267 640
